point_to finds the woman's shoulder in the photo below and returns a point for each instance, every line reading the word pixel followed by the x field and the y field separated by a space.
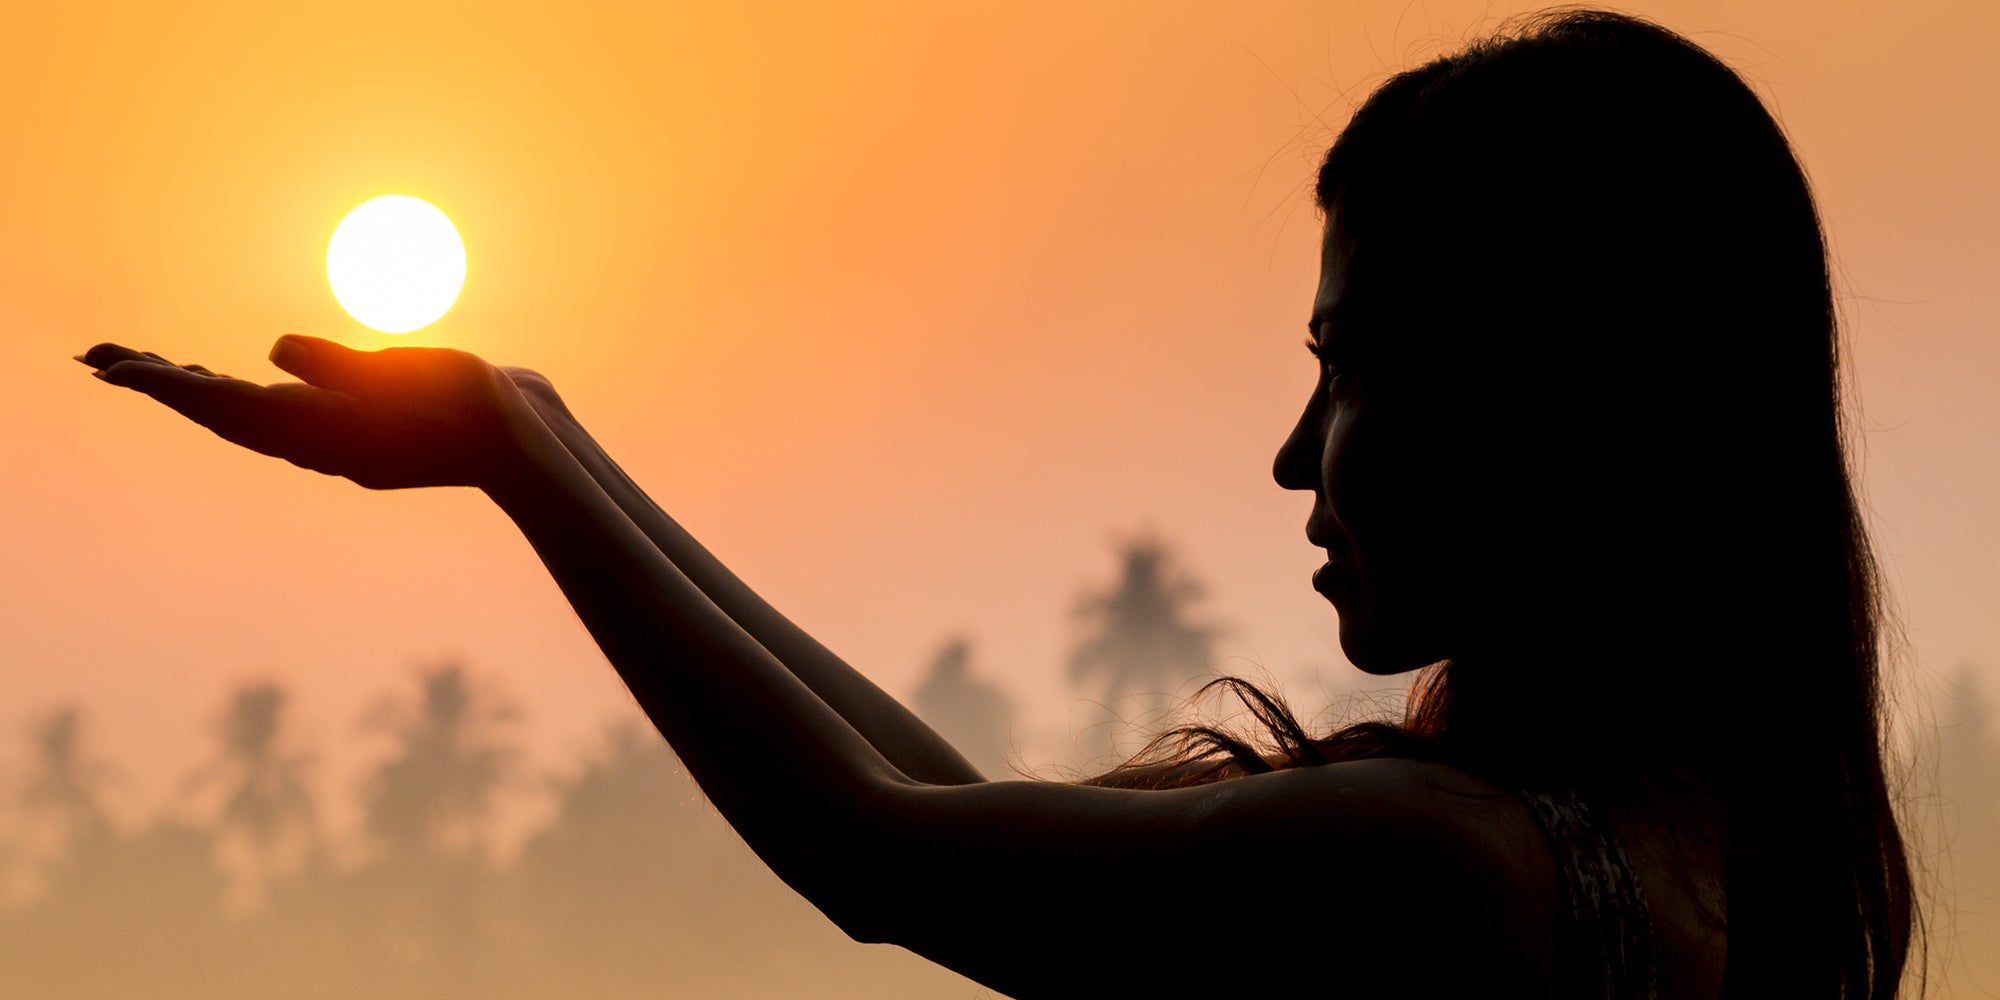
pixel 1437 807
pixel 1432 865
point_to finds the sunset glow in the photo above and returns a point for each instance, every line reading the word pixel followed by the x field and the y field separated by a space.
pixel 396 263
pixel 911 314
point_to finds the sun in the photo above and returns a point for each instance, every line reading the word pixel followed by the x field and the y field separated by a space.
pixel 395 263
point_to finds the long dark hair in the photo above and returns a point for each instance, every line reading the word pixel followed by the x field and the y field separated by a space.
pixel 1589 234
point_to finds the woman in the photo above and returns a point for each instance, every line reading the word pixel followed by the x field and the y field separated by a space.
pixel 1576 452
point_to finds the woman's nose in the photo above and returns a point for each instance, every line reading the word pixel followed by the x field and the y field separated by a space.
pixel 1297 465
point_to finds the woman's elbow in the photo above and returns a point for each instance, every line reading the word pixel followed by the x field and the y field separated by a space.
pixel 865 878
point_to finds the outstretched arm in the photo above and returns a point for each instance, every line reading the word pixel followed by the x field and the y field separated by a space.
pixel 1034 889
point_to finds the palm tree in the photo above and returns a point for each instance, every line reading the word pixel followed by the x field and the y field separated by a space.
pixel 620 884
pixel 1139 638
pixel 420 914
pixel 267 806
pixel 435 794
pixel 61 803
pixel 1964 820
pixel 1967 746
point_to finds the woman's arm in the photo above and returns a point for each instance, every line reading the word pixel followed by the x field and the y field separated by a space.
pixel 913 746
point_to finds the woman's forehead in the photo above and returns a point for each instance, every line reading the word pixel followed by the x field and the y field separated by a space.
pixel 1335 267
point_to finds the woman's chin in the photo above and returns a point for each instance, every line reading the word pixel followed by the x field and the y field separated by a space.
pixel 1373 652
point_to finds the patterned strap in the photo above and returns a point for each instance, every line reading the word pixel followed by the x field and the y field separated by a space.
pixel 1604 937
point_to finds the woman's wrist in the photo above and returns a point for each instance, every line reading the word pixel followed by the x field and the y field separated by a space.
pixel 525 448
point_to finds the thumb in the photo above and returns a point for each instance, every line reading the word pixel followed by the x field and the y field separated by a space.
pixel 323 363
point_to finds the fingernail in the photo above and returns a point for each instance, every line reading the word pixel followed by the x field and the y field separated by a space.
pixel 79 360
pixel 289 350
pixel 101 377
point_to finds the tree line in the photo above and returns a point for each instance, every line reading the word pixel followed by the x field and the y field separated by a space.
pixel 632 886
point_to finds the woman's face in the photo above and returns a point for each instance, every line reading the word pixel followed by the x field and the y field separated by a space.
pixel 1382 454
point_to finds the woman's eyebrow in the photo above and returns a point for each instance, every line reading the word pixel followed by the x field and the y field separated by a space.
pixel 1328 318
pixel 1322 317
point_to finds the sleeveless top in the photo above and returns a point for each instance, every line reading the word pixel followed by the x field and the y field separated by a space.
pixel 1604 932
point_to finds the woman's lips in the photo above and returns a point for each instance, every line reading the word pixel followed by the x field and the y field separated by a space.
pixel 1326 579
pixel 1324 536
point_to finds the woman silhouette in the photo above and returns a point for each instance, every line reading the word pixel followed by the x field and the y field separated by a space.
pixel 1576 452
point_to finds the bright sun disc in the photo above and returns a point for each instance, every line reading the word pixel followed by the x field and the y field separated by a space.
pixel 395 263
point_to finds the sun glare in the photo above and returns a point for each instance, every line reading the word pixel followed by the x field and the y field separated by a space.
pixel 395 263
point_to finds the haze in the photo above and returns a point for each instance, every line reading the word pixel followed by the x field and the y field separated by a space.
pixel 911 312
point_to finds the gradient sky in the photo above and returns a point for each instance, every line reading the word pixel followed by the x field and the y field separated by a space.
pixel 909 310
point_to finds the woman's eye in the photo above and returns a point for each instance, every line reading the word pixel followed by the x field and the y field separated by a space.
pixel 1332 375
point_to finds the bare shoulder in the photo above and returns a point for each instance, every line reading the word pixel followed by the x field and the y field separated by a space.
pixel 1432 865
pixel 1424 788
pixel 1418 809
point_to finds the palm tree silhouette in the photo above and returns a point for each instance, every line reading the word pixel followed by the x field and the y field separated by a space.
pixel 1966 746
pixel 421 910
pixel 266 806
pixel 62 803
pixel 1139 639
pixel 434 796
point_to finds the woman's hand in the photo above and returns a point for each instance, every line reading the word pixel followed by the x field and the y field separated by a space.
pixel 390 419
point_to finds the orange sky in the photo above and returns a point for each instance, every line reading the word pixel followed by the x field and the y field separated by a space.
pixel 909 310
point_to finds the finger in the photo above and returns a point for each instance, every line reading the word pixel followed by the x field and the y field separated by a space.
pixel 198 397
pixel 388 373
pixel 105 355
pixel 224 405
pixel 279 420
pixel 321 362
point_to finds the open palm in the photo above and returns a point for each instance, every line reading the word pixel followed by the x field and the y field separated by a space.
pixel 391 419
